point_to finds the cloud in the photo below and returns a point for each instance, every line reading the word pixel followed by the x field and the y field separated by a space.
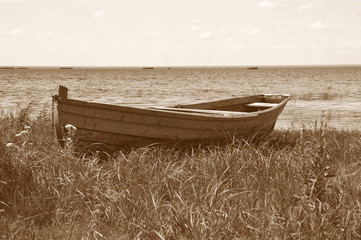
pixel 222 31
pixel 316 26
pixel 68 39
pixel 99 14
pixel 250 32
pixel 286 30
pixel 306 7
pixel 314 46
pixel 205 35
pixel 254 31
pixel 271 4
pixel 239 46
pixel 195 28
pixel 16 31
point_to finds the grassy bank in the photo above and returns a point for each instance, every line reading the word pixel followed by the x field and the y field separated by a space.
pixel 296 184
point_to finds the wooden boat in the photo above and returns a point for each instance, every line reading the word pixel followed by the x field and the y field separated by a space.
pixel 128 126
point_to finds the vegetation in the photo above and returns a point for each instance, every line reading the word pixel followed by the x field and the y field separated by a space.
pixel 295 184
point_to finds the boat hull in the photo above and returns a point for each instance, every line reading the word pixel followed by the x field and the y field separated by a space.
pixel 127 127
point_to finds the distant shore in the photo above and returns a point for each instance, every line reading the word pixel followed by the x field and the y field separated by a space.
pixel 175 67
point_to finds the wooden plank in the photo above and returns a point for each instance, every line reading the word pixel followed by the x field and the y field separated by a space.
pixel 210 105
pixel 225 103
pixel 235 108
pixel 94 140
pixel 92 136
pixel 145 111
pixel 218 113
pixel 137 129
pixel 262 105
pixel 166 121
pixel 86 137
pixel 62 92
pixel 152 131
pixel 154 112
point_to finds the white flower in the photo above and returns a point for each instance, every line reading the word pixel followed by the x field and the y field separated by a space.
pixel 70 127
pixel 22 133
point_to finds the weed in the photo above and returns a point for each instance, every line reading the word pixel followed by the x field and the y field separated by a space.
pixel 294 184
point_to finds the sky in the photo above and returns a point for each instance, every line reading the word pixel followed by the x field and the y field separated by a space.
pixel 179 32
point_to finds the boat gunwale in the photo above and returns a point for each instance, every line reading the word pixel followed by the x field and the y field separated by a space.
pixel 151 110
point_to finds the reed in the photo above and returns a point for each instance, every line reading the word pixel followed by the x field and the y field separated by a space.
pixel 296 184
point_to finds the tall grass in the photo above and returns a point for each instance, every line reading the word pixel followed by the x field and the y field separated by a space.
pixel 294 184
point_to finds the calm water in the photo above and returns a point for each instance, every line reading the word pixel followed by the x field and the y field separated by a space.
pixel 331 92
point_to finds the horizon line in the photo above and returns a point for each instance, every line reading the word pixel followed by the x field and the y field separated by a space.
pixel 174 66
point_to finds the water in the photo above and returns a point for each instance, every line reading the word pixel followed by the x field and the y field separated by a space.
pixel 330 93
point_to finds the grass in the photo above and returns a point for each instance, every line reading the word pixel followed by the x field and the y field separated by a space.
pixel 295 184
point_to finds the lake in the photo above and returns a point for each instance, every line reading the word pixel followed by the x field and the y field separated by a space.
pixel 330 93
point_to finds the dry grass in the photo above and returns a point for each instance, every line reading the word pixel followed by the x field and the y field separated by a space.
pixel 296 184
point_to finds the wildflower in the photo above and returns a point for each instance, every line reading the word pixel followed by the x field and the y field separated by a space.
pixel 22 133
pixel 70 131
pixel 10 145
pixel 70 127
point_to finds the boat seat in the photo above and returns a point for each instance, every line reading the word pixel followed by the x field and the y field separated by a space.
pixel 261 105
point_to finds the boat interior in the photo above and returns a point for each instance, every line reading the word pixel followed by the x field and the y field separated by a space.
pixel 243 104
pixel 226 107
